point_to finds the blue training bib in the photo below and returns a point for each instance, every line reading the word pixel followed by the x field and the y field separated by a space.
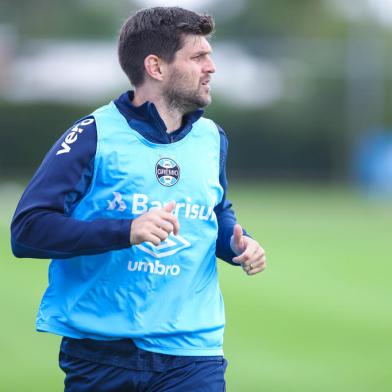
pixel 166 298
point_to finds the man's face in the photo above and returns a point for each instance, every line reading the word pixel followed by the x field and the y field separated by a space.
pixel 187 86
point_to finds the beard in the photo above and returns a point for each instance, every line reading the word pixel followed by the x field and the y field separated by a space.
pixel 180 97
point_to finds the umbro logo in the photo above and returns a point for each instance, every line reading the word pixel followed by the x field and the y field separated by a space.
pixel 169 247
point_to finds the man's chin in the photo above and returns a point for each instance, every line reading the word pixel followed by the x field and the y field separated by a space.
pixel 205 101
pixel 201 102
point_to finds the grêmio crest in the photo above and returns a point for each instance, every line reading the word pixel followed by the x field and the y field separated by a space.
pixel 167 172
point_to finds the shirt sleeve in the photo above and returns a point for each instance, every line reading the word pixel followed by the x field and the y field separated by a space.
pixel 224 212
pixel 42 226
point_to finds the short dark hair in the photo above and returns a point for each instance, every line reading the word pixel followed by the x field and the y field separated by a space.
pixel 159 31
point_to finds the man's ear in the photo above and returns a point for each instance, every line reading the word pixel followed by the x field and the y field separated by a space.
pixel 155 67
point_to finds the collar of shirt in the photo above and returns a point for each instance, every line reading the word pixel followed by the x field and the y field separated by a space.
pixel 146 120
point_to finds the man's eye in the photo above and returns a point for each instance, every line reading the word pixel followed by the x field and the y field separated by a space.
pixel 199 56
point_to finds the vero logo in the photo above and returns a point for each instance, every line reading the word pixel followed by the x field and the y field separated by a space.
pixel 169 247
pixel 72 136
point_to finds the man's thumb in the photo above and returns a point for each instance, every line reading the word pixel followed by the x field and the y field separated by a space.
pixel 169 207
pixel 237 237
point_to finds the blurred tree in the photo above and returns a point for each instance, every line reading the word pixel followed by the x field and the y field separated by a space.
pixel 269 18
pixel 65 18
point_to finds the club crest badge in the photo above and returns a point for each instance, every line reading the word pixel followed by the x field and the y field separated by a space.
pixel 167 172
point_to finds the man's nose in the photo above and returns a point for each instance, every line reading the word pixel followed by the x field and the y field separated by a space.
pixel 210 66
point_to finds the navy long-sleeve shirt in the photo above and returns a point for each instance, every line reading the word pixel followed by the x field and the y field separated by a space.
pixel 43 227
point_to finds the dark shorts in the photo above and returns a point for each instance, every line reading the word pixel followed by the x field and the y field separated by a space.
pixel 137 371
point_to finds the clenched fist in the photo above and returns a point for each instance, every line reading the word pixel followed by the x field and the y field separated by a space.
pixel 155 225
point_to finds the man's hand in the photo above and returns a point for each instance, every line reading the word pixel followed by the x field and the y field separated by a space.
pixel 155 225
pixel 249 253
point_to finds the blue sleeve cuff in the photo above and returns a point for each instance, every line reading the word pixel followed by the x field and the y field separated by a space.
pixel 97 237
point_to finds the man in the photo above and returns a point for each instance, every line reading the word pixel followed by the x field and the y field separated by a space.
pixel 131 205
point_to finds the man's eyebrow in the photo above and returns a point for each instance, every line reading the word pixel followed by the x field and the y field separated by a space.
pixel 200 52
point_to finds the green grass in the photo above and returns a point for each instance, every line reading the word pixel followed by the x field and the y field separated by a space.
pixel 319 319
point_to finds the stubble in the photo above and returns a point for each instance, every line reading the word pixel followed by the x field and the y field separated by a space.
pixel 180 97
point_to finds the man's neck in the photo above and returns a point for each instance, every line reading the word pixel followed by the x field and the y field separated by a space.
pixel 171 117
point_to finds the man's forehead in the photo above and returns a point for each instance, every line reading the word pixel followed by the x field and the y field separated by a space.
pixel 195 43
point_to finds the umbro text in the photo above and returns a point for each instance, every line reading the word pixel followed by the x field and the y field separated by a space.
pixel 155 268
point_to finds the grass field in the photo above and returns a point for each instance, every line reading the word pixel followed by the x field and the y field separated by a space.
pixel 319 319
